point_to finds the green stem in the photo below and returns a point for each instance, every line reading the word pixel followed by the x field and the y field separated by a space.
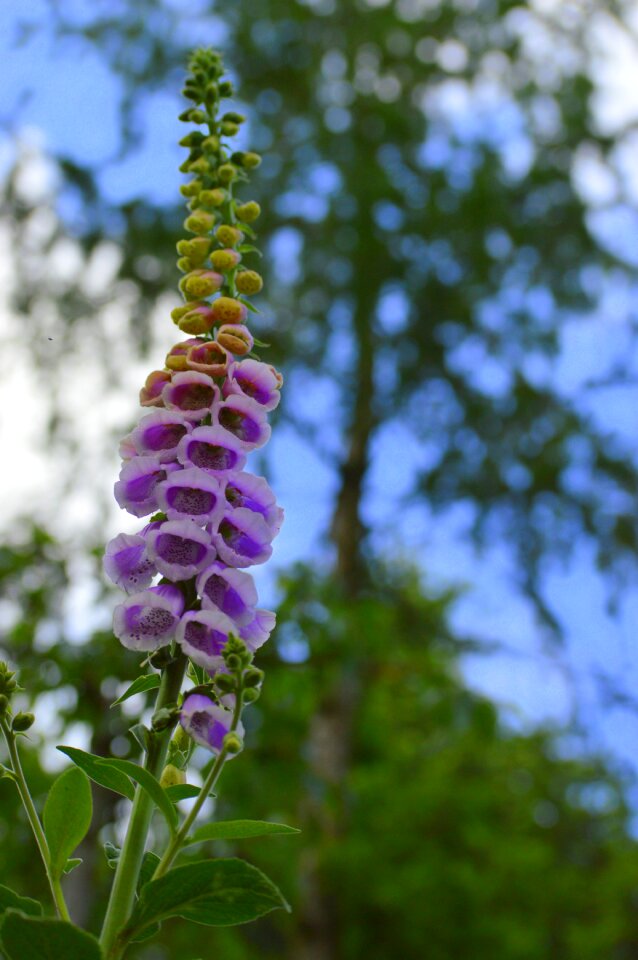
pixel 34 820
pixel 177 841
pixel 128 868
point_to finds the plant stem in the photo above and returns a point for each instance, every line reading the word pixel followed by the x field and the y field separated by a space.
pixel 128 868
pixel 177 841
pixel 34 820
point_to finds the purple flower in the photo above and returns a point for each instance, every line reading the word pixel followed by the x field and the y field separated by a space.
pixel 243 538
pixel 206 723
pixel 203 634
pixel 192 393
pixel 159 433
pixel 253 493
pixel 128 449
pixel 135 490
pixel 208 357
pixel 256 380
pixel 229 590
pixel 244 419
pixel 148 620
pixel 255 633
pixel 151 392
pixel 180 549
pixel 212 449
pixel 127 564
pixel 191 494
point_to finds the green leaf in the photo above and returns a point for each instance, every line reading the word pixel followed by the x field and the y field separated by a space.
pixel 149 681
pixel 11 900
pixel 147 782
pixel 260 343
pixel 212 892
pixel 112 854
pixel 150 863
pixel 182 791
pixel 67 816
pixel 28 938
pixel 93 767
pixel 72 863
pixel 249 248
pixel 142 735
pixel 247 303
pixel 238 830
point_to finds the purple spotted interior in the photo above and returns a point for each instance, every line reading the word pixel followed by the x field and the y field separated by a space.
pixel 202 637
pixel 193 396
pixel 149 621
pixel 179 550
pixel 223 596
pixel 210 456
pixel 252 389
pixel 239 424
pixel 191 500
pixel 164 436
pixel 239 541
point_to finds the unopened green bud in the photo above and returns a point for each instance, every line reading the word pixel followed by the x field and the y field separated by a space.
pixel 186 114
pixel 192 139
pixel 191 189
pixel 233 661
pixel 225 683
pixel 248 212
pixel 199 248
pixel 228 236
pixel 184 248
pixel 198 166
pixel 171 776
pixel 229 129
pixel 164 718
pixel 212 198
pixel 8 682
pixel 249 282
pixel 212 92
pixel 161 657
pixel 210 144
pixel 252 160
pixel 198 116
pixel 232 117
pixel 22 722
pixel 200 223
pixel 181 740
pixel 232 743
pixel 184 264
pixel 226 172
pixel 253 677
pixel 225 88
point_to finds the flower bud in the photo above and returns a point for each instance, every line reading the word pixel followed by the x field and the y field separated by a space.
pixel 200 165
pixel 184 264
pixel 201 283
pixel 235 338
pixel 228 310
pixel 184 248
pixel 225 88
pixel 151 392
pixel 197 116
pixel 191 189
pixel 249 282
pixel 22 722
pixel 210 144
pixel 164 718
pixel 212 198
pixel 253 677
pixel 248 212
pixel 233 661
pixel 232 743
pixel 232 117
pixel 226 173
pixel 200 223
pixel 198 250
pixel 228 236
pixel 8 682
pixel 172 776
pixel 176 357
pixel 197 321
pixel 251 160
pixel 225 683
pixel 251 695
pixel 229 129
pixel 208 356
pixel 192 139
pixel 225 259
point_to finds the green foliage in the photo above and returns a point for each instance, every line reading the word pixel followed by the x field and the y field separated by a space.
pixel 215 893
pixel 238 830
pixel 67 816
pixel 26 938
pixel 141 685
pixel 11 900
pixel 105 774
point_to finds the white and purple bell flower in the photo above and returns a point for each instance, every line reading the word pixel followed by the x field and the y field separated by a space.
pixel 148 620
pixel 185 461
pixel 206 722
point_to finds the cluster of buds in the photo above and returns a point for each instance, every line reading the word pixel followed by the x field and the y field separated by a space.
pixel 16 722
pixel 184 463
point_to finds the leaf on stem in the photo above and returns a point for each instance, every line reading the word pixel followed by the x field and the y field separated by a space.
pixel 67 816
pixel 213 892
pixel 149 681
pixel 182 791
pixel 9 899
pixel 147 782
pixel 106 777
pixel 72 863
pixel 238 830
pixel 28 938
